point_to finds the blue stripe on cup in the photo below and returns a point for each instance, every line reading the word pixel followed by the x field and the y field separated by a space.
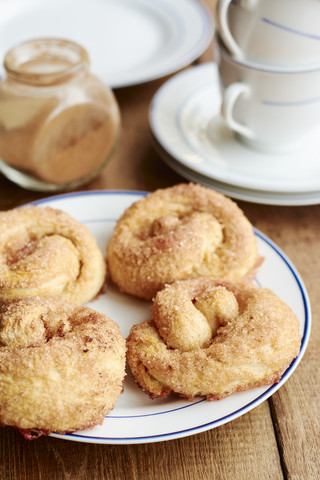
pixel 290 30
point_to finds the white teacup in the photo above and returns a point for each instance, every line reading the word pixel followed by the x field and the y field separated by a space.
pixel 269 109
pixel 273 32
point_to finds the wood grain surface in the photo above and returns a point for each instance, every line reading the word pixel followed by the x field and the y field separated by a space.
pixel 277 440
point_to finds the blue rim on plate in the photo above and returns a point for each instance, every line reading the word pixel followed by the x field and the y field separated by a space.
pixel 178 433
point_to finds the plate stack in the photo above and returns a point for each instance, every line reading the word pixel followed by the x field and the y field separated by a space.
pixel 249 124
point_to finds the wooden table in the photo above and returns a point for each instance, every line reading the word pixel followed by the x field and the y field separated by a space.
pixel 278 439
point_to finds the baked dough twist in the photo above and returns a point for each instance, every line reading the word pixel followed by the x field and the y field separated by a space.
pixel 61 366
pixel 212 338
pixel 45 252
pixel 180 232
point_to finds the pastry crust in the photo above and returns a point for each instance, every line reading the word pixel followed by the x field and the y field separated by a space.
pixel 61 366
pixel 45 252
pixel 212 338
pixel 180 232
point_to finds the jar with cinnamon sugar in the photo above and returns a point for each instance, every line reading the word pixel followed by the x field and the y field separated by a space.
pixel 59 124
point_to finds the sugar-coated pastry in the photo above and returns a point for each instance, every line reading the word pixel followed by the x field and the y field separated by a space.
pixel 61 366
pixel 212 338
pixel 45 252
pixel 180 232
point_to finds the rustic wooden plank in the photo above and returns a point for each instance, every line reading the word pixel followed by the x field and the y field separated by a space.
pixel 295 407
pixel 296 416
pixel 242 449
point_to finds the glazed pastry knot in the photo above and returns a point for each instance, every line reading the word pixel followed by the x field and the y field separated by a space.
pixel 212 338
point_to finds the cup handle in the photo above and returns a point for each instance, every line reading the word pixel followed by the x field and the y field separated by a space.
pixel 224 31
pixel 229 98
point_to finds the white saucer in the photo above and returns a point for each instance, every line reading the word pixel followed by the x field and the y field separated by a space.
pixel 129 41
pixel 184 118
pixel 247 195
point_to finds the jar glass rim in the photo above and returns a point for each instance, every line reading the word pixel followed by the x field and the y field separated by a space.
pixel 74 56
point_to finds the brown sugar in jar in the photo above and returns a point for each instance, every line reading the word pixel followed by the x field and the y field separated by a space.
pixel 59 124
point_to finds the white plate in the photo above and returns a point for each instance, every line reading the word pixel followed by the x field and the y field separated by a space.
pixel 247 195
pixel 185 120
pixel 136 418
pixel 129 41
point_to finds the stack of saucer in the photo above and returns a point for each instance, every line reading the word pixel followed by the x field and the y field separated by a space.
pixel 258 137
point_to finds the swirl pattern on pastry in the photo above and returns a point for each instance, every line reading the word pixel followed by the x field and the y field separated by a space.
pixel 177 233
pixel 61 366
pixel 45 252
pixel 212 338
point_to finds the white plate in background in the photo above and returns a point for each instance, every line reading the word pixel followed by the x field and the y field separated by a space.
pixel 129 41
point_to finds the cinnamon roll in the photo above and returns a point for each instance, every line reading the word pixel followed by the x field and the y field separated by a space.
pixel 45 252
pixel 180 232
pixel 61 366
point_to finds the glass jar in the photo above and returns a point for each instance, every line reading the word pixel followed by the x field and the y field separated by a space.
pixel 59 124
